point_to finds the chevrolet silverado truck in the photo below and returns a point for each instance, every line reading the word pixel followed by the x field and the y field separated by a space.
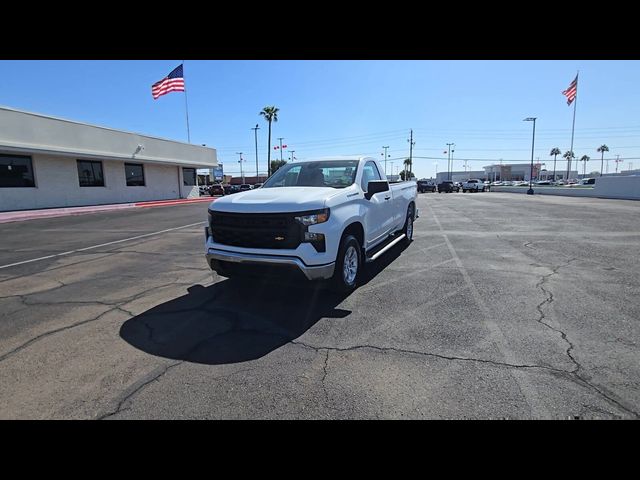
pixel 473 185
pixel 323 219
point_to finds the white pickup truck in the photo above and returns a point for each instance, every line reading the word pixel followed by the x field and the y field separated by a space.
pixel 323 218
pixel 473 185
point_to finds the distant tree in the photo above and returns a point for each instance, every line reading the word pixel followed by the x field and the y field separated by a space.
pixel 555 151
pixel 276 164
pixel 601 149
pixel 568 155
pixel 270 114
pixel 406 174
pixel 584 159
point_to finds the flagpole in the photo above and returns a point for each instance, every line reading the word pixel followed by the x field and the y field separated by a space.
pixel 186 105
pixel 573 125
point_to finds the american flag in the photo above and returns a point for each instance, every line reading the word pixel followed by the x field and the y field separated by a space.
pixel 174 82
pixel 572 91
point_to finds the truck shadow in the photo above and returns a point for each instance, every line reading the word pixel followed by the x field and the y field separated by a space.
pixel 235 321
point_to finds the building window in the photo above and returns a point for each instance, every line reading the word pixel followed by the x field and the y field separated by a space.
pixel 90 173
pixel 135 174
pixel 16 171
pixel 189 177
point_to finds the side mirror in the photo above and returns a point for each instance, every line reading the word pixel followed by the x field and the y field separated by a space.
pixel 376 186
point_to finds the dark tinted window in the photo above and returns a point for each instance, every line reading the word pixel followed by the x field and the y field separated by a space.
pixel 134 174
pixel 16 171
pixel 189 177
pixel 90 173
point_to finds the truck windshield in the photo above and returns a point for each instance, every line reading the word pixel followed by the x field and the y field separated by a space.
pixel 333 173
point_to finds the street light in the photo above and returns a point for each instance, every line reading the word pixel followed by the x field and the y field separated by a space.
pixel 450 159
pixel 385 159
pixel 240 162
pixel 533 141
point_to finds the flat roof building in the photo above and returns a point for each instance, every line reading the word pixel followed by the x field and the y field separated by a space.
pixel 52 162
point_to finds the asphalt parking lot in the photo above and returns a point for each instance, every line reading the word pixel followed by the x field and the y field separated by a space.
pixel 504 306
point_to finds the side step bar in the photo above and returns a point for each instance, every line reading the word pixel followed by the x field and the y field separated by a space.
pixel 385 248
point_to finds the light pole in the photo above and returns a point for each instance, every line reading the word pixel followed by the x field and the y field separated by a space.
pixel 240 162
pixel 533 141
pixel 255 130
pixel 391 168
pixel 449 159
pixel 281 138
pixel 385 159
pixel 291 152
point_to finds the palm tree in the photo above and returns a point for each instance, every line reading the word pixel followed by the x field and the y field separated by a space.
pixel 584 159
pixel 555 151
pixel 270 114
pixel 601 149
pixel 568 155
pixel 407 167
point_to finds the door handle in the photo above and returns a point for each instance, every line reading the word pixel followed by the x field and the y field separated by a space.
pixel 387 198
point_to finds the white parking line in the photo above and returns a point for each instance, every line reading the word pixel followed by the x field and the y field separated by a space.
pixel 527 387
pixel 98 246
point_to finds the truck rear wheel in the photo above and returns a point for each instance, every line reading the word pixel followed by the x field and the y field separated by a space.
pixel 348 265
pixel 408 226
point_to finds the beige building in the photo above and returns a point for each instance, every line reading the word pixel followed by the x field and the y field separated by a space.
pixel 52 162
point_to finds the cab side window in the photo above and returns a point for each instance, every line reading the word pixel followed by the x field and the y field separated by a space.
pixel 369 173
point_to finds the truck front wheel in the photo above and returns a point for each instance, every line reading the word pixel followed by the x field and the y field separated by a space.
pixel 348 265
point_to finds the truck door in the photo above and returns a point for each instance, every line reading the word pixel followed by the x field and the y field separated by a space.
pixel 379 217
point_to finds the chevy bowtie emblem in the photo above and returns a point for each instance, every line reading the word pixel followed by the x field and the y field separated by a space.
pixel 279 238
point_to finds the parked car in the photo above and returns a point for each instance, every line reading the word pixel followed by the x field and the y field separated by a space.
pixel 228 189
pixel 203 189
pixel 257 185
pixel 447 186
pixel 544 182
pixel 324 219
pixel 473 185
pixel 244 187
pixel 216 189
pixel 426 186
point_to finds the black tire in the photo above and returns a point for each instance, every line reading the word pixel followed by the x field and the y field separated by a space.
pixel 408 226
pixel 341 281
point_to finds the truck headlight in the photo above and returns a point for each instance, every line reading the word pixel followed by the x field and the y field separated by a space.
pixel 314 218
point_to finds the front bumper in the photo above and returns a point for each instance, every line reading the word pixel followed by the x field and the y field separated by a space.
pixel 311 272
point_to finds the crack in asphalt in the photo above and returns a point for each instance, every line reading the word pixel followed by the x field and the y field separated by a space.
pixel 37 338
pixel 324 376
pixel 426 354
pixel 138 386
pixel 549 298
pixel 114 306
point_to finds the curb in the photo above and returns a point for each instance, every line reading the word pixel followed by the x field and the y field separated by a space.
pixel 20 216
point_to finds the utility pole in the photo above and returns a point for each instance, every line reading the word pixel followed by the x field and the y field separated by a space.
pixel 617 160
pixel 391 168
pixel 291 152
pixel 255 130
pixel 280 138
pixel 385 160
pixel 240 162
pixel 411 144
pixel 449 160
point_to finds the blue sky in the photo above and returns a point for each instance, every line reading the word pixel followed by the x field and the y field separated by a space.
pixel 351 107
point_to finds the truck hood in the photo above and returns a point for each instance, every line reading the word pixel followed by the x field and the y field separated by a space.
pixel 272 200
